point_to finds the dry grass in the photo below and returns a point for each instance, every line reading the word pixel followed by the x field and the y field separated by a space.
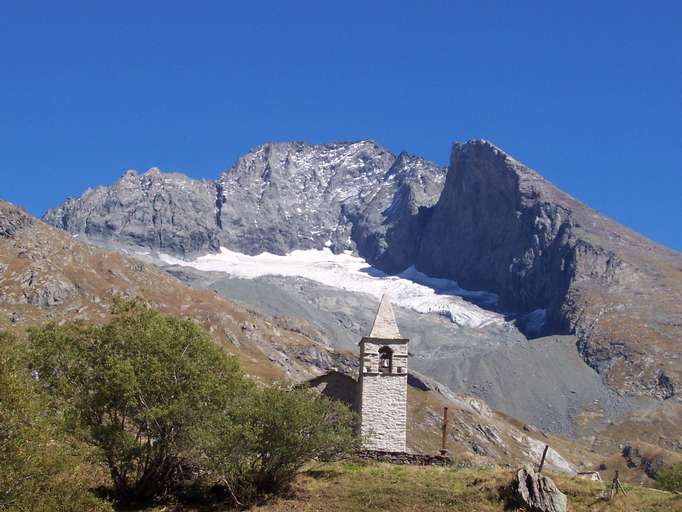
pixel 352 486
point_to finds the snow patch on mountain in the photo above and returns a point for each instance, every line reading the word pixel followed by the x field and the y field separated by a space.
pixel 410 289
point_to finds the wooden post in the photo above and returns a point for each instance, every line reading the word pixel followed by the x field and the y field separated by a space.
pixel 616 486
pixel 443 449
pixel 542 462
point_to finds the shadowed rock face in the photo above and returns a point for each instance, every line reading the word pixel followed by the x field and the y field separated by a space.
pixel 493 232
pixel 500 226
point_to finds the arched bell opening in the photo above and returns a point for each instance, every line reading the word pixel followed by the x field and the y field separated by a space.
pixel 385 360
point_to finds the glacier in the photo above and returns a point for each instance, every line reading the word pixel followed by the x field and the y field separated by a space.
pixel 410 289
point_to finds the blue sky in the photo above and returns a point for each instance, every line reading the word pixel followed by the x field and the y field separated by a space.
pixel 587 93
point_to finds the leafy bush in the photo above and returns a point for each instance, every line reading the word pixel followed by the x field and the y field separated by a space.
pixel 151 391
pixel 41 469
pixel 136 388
pixel 257 448
pixel 670 478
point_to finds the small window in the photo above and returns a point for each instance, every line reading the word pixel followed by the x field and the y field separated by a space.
pixel 385 360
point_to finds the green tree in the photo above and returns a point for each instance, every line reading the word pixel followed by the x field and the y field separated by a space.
pixel 257 448
pixel 670 478
pixel 41 468
pixel 137 388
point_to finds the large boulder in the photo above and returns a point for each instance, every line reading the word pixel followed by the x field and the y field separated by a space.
pixel 537 493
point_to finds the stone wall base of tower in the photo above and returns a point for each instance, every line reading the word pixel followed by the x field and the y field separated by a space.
pixel 414 459
pixel 384 411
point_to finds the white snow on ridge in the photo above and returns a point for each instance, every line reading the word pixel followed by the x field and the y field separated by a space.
pixel 410 289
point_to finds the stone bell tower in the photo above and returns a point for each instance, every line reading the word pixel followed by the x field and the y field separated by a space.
pixel 383 383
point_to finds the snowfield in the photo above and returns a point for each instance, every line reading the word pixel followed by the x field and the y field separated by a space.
pixel 410 289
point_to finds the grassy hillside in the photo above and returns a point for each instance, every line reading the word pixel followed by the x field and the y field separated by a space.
pixel 352 486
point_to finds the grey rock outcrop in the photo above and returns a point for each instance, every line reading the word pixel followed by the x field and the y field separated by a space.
pixel 46 290
pixel 12 219
pixel 285 196
pixel 168 212
pixel 538 493
pixel 276 198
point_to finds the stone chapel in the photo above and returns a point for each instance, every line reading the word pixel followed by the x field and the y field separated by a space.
pixel 382 384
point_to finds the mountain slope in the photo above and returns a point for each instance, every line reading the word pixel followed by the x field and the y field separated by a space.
pixel 47 275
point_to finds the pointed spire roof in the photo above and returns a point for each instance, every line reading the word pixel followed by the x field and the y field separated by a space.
pixel 385 326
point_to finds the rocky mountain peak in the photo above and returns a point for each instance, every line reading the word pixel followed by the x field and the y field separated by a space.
pixel 278 197
pixel 153 211
pixel 286 196
pixel 499 225
pixel 300 158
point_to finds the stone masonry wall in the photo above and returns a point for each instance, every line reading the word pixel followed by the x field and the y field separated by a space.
pixel 384 407
pixel 383 400
pixel 415 459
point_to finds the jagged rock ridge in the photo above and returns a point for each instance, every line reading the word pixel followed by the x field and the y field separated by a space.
pixel 277 198
pixel 167 211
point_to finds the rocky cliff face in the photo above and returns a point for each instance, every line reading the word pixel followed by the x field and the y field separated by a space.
pixel 165 211
pixel 495 232
pixel 499 225
pixel 277 198
pixel 389 230
pixel 288 196
pixel 12 220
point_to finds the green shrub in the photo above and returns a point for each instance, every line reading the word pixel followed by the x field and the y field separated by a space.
pixel 41 469
pixel 670 478
pixel 151 391
pixel 257 448
pixel 136 388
